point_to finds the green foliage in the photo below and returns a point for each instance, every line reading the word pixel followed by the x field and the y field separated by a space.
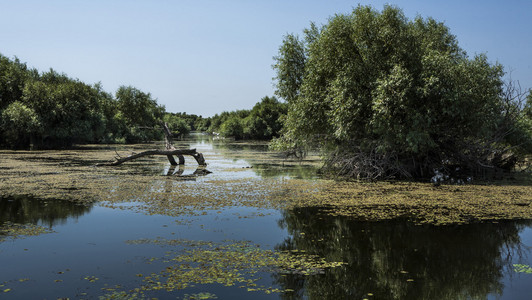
pixel 13 75
pixel 176 124
pixel 528 106
pixel 378 84
pixel 262 122
pixel 290 67
pixel 19 124
pixel 54 110
pixel 68 109
pixel 202 124
pixel 232 127
pixel 137 107
pixel 140 113
pixel 218 119
pixel 527 113
pixel 194 122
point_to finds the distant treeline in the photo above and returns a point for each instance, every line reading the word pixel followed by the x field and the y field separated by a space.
pixel 262 122
pixel 51 110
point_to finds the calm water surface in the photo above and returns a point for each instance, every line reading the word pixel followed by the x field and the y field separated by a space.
pixel 91 248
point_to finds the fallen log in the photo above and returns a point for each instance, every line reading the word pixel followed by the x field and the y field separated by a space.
pixel 168 153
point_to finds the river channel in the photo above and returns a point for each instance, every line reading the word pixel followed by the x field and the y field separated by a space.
pixel 143 230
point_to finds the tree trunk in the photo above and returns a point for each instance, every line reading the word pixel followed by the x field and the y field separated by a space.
pixel 169 146
pixel 192 152
pixel 169 151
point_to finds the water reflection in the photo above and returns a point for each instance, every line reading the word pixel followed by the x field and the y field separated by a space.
pixel 301 171
pixel 23 210
pixel 240 146
pixel 220 155
pixel 400 260
pixel 263 162
pixel 180 169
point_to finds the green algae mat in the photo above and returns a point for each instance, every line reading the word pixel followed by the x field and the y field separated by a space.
pixel 71 175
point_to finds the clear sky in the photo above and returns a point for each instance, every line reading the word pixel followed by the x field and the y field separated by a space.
pixel 204 57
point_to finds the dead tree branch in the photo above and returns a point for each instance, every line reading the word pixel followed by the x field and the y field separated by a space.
pixel 170 151
pixel 192 152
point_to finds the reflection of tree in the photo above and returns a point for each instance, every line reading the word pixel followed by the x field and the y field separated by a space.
pixel 397 259
pixel 294 171
pixel 25 210
pixel 236 146
pixel 264 162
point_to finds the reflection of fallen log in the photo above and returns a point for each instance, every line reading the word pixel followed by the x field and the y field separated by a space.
pixel 200 171
pixel 169 153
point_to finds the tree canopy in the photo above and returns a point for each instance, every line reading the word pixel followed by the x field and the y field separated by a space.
pixel 386 96
pixel 50 109
pixel 262 122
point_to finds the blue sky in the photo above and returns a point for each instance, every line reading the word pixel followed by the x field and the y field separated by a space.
pixel 204 57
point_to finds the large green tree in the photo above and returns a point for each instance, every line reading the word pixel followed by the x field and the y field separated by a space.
pixel 262 122
pixel 20 124
pixel 177 124
pixel 139 113
pixel 384 95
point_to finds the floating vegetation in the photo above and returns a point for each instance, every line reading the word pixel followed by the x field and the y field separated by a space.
pixel 15 230
pixel 142 187
pixel 230 264
pixel 91 278
pixel 121 295
pixel 3 285
pixel 199 296
pixel 519 268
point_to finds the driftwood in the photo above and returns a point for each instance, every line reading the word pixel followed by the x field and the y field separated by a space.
pixel 170 151
pixel 169 147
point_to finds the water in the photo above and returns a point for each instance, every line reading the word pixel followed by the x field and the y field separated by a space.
pixel 96 251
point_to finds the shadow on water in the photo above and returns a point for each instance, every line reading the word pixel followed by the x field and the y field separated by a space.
pixel 396 259
pixel 24 210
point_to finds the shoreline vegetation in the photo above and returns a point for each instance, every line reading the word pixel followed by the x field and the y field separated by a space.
pixel 50 110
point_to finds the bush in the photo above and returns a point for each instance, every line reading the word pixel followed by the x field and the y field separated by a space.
pixel 20 123
pixel 232 127
pixel 177 125
pixel 380 90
